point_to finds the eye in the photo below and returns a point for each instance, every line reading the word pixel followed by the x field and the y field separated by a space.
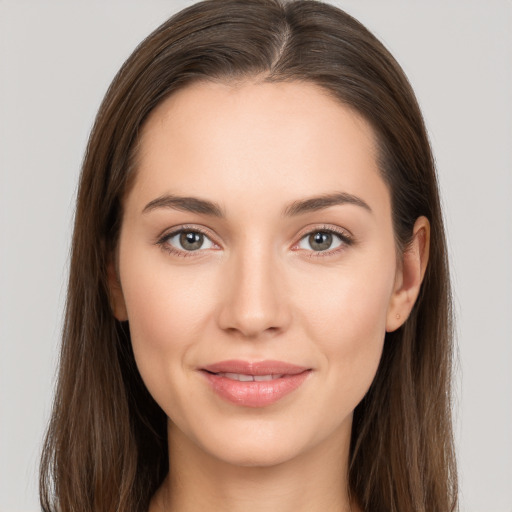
pixel 323 240
pixel 187 240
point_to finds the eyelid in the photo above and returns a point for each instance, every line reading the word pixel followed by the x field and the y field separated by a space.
pixel 343 234
pixel 163 238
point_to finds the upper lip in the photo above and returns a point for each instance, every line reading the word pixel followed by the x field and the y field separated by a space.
pixel 255 368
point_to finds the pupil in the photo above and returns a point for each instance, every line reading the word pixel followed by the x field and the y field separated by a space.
pixel 191 240
pixel 320 241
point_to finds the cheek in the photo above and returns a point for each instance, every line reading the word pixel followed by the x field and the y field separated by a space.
pixel 155 312
pixel 347 320
pixel 166 312
pixel 352 301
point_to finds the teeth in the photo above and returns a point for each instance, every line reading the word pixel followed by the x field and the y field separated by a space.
pixel 249 378
pixel 240 376
pixel 262 377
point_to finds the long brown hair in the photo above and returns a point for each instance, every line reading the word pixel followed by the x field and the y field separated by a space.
pixel 106 447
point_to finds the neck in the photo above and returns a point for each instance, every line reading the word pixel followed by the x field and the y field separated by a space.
pixel 314 481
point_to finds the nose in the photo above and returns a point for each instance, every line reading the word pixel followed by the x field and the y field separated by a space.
pixel 254 296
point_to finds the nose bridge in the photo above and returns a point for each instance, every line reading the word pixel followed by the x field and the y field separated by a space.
pixel 254 302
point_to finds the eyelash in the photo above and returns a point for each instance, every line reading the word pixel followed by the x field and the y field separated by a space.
pixel 346 241
pixel 165 246
pixel 344 236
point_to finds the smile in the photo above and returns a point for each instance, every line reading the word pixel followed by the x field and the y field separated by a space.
pixel 249 378
pixel 254 384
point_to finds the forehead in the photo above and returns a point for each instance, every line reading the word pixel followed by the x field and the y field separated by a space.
pixel 249 138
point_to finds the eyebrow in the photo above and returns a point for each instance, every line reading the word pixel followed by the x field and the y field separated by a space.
pixel 206 207
pixel 322 202
pixel 186 204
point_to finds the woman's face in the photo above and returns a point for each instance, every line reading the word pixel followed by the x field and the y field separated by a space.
pixel 258 269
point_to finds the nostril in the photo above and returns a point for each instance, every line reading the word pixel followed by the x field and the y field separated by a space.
pixel 252 304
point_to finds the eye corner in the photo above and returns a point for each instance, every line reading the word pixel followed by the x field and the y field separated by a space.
pixel 341 238
pixel 176 247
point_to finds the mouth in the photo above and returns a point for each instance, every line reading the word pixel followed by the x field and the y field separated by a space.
pixel 242 377
pixel 257 384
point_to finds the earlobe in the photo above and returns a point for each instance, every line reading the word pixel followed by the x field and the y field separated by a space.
pixel 117 303
pixel 410 276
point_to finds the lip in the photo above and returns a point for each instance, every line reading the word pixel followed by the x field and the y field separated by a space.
pixel 286 378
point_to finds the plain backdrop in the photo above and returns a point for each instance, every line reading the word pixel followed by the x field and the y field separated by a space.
pixel 56 61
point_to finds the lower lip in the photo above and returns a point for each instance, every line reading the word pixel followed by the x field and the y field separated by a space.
pixel 255 393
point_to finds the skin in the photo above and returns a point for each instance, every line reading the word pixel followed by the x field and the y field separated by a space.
pixel 258 289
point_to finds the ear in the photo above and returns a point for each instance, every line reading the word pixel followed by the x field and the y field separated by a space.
pixel 116 296
pixel 410 276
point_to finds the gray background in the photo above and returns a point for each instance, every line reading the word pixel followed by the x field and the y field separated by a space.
pixel 56 61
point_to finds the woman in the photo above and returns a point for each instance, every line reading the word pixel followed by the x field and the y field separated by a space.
pixel 258 310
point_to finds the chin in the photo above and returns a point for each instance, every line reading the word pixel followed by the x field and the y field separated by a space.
pixel 244 442
pixel 268 443
pixel 253 455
